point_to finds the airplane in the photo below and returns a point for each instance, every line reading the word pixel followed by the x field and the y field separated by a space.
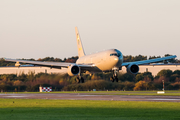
pixel 110 60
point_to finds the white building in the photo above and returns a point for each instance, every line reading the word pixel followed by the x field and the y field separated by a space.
pixel 26 70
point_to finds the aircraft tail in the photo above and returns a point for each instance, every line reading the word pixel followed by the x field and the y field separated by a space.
pixel 79 44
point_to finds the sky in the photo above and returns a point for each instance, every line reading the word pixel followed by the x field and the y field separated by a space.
pixel 46 28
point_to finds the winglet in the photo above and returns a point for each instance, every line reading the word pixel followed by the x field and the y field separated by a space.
pixel 79 44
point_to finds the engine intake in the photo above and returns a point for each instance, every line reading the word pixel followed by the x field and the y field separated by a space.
pixel 73 70
pixel 133 69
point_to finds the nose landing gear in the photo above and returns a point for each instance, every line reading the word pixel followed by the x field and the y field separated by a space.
pixel 114 77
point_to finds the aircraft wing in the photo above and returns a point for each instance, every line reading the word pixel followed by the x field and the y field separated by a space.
pixel 40 63
pixel 148 61
pixel 52 64
pixel 58 65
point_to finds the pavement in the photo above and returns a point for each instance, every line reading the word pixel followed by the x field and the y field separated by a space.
pixel 90 96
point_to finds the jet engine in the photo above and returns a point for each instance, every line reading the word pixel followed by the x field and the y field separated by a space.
pixel 132 69
pixel 73 70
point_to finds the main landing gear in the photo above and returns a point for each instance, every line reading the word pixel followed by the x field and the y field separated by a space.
pixel 114 77
pixel 80 79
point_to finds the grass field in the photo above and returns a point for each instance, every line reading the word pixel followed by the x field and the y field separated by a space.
pixel 40 109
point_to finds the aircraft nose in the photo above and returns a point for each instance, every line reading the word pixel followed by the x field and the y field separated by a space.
pixel 116 58
pixel 118 61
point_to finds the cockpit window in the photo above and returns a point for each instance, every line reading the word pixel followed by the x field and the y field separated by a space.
pixel 115 54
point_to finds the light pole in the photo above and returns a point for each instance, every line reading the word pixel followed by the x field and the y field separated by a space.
pixel 163 85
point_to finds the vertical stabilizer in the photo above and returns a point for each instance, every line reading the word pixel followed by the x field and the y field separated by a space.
pixel 79 44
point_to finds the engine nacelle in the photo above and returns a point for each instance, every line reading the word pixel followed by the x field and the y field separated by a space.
pixel 73 70
pixel 132 69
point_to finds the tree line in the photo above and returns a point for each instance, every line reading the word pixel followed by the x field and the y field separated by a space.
pixel 100 81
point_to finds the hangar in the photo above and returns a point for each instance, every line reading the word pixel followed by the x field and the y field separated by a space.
pixel 153 68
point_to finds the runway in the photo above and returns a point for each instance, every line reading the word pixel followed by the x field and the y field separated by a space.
pixel 90 96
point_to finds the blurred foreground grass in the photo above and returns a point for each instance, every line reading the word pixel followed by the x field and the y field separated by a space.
pixel 41 109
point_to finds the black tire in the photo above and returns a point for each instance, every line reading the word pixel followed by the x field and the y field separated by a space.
pixel 82 80
pixel 116 79
pixel 78 80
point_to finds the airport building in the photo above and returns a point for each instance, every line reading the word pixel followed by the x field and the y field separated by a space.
pixel 27 69
pixel 153 68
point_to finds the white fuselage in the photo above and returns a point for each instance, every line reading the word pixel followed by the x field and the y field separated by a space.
pixel 105 61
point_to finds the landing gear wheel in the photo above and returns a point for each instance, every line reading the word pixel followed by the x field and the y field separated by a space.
pixel 80 80
pixel 112 79
pixel 77 80
pixel 115 78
